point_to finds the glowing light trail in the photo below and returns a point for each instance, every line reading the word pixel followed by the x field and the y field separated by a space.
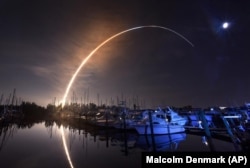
pixel 110 38
pixel 65 148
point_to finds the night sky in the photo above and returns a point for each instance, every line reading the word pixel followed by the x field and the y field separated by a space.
pixel 43 42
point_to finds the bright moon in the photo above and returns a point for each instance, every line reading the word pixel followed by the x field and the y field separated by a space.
pixel 225 25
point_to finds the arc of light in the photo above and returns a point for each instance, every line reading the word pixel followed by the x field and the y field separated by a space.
pixel 65 148
pixel 110 38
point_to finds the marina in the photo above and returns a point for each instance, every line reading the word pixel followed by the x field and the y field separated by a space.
pixel 40 144
pixel 103 84
pixel 75 138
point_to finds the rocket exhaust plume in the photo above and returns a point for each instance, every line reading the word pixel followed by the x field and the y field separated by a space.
pixel 106 41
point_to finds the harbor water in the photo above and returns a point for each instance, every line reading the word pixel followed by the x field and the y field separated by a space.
pixel 52 144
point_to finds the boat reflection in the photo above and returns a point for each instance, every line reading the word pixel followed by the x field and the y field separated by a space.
pixel 167 142
pixel 6 132
pixel 128 141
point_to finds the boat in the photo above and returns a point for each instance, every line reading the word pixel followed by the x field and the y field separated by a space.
pixel 246 112
pixel 128 120
pixel 159 129
pixel 103 118
pixel 175 117
pixel 211 117
pixel 158 123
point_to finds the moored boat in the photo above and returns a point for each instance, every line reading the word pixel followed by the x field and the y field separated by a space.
pixel 155 122
pixel 159 129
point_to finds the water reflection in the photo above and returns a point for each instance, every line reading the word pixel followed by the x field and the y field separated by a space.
pixel 6 133
pixel 66 148
pixel 204 140
pixel 30 147
pixel 73 143
pixel 160 142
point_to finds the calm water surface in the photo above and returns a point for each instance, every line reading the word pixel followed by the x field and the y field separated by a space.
pixel 41 145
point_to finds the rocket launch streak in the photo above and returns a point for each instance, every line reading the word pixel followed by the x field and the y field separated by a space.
pixel 106 41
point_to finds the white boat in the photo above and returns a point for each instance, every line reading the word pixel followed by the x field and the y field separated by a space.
pixel 175 118
pixel 159 129
pixel 158 125
pixel 103 119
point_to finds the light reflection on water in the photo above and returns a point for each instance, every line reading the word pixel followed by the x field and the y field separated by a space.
pixel 66 147
pixel 31 147
pixel 42 146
